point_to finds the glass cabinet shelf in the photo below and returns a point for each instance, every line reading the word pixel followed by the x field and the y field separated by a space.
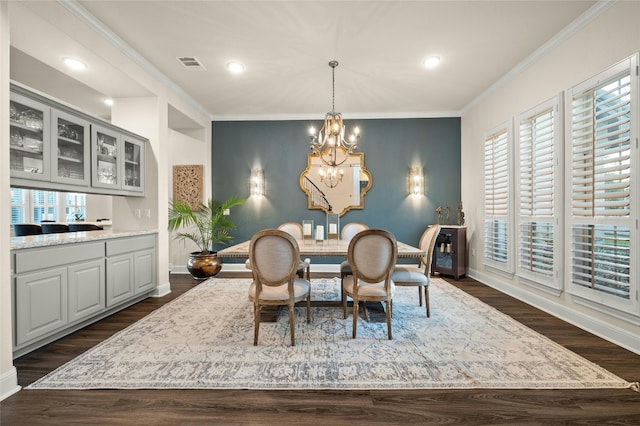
pixel 29 133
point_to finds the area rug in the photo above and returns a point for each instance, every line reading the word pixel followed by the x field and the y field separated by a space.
pixel 204 340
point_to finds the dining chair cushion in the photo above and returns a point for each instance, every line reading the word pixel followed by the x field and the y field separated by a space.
pixel 410 274
pixel 300 288
pixel 369 289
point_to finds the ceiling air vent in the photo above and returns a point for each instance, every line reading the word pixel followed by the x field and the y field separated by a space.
pixel 191 63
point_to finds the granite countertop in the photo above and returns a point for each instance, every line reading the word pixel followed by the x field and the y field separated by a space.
pixel 44 240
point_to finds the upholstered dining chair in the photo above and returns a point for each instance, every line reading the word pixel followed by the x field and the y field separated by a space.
pixel 275 256
pixel 295 230
pixel 54 228
pixel 418 275
pixel 79 226
pixel 24 229
pixel 349 230
pixel 372 254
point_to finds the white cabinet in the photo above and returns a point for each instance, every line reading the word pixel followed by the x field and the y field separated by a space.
pixel 55 147
pixel 30 150
pixel 119 278
pixel 86 289
pixel 131 267
pixel 41 304
pixel 106 171
pixel 70 149
pixel 63 287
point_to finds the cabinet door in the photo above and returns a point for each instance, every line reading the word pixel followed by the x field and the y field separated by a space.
pixel 444 251
pixel 119 279
pixel 41 304
pixel 86 289
pixel 145 271
pixel 30 138
pixel 70 147
pixel 133 164
pixel 106 170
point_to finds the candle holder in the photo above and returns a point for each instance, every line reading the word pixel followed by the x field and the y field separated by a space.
pixel 319 234
pixel 333 227
pixel 307 231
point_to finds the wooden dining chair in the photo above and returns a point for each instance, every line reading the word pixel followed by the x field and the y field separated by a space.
pixel 348 231
pixel 418 275
pixel 295 230
pixel 275 256
pixel 372 255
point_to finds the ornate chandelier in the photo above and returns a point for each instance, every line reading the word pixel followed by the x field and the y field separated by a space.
pixel 329 143
pixel 330 176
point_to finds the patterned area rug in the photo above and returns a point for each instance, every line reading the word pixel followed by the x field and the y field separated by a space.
pixel 204 340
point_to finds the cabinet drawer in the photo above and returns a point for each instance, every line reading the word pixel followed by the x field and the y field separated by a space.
pixel 127 245
pixel 43 258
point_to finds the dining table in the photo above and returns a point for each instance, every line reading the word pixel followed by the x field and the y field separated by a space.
pixel 323 248
pixel 327 248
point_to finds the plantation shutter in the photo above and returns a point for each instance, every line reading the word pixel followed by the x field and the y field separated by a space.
pixel 496 197
pixel 536 193
pixel 601 186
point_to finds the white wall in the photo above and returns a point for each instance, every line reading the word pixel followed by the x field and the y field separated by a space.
pixel 8 376
pixel 186 150
pixel 606 40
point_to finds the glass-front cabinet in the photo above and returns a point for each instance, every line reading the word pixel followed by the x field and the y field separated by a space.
pixel 70 149
pixel 29 138
pixel 106 158
pixel 55 147
pixel 133 164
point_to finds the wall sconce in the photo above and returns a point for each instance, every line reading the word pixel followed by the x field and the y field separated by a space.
pixel 256 182
pixel 416 181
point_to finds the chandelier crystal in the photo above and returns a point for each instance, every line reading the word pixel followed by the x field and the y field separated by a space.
pixel 329 143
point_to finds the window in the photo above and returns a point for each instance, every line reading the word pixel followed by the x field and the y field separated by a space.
pixel 538 189
pixel 19 207
pixel 44 206
pixel 75 206
pixel 496 199
pixel 602 212
pixel 34 206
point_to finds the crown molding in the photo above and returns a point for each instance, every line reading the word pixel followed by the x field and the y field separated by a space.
pixel 593 12
pixel 99 27
pixel 349 116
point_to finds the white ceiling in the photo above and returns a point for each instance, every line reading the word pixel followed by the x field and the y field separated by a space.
pixel 286 47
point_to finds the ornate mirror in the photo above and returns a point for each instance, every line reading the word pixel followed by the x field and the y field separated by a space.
pixel 336 189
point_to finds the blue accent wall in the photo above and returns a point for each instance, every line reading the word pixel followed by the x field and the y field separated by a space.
pixel 390 147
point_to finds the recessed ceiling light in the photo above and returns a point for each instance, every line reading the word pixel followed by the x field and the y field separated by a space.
pixel 235 67
pixel 74 64
pixel 108 102
pixel 431 62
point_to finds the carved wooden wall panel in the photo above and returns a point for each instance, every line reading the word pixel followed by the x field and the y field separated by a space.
pixel 187 183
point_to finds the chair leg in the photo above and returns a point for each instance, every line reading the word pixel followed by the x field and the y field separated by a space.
pixel 344 304
pixel 420 296
pixel 292 325
pixel 256 321
pixel 426 300
pixel 355 317
pixel 308 309
pixel 389 319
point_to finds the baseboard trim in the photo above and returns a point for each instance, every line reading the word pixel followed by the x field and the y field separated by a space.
pixel 162 290
pixel 9 383
pixel 612 333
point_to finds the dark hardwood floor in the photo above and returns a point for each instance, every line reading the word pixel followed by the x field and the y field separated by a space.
pixel 199 407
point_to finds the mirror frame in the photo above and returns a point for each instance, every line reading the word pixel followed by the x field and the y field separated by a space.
pixel 363 191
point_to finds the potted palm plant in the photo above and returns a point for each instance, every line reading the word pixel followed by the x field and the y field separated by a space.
pixel 207 226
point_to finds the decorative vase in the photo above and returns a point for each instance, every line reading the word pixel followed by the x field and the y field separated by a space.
pixel 202 266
